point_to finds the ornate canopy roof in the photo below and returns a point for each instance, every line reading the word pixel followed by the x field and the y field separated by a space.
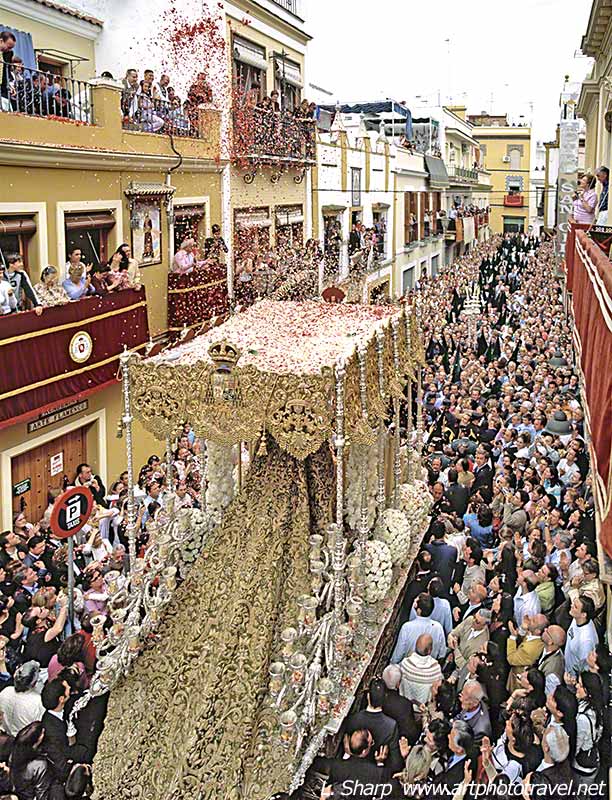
pixel 274 368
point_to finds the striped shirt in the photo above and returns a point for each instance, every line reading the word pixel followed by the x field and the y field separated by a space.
pixel 419 673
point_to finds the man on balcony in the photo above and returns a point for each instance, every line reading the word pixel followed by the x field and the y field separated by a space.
pixel 603 176
pixel 214 246
pixel 7 45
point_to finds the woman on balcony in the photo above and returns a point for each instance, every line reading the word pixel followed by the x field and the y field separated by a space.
pixel 130 265
pixel 585 201
pixel 48 290
pixel 116 279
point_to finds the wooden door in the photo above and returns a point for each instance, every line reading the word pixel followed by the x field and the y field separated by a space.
pixel 35 465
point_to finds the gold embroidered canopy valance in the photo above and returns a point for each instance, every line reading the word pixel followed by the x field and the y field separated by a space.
pixel 272 368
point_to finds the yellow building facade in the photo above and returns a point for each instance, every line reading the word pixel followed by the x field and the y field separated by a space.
pixel 507 157
pixel 76 182
pixel 595 100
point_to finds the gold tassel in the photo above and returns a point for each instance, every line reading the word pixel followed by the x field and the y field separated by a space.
pixel 262 450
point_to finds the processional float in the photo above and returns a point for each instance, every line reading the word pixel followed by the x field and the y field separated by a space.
pixel 230 685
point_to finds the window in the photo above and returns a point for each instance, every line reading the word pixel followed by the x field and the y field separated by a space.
pixel 355 186
pixel 46 64
pixel 435 264
pixel 15 234
pixel 515 158
pixel 411 217
pixel 288 82
pixel 89 232
pixel 408 279
pixel 424 224
pixel 251 232
pixel 189 223
pixel 249 68
pixel 423 268
pixel 514 224
pixel 289 227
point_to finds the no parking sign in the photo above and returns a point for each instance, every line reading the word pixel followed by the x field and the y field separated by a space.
pixel 71 511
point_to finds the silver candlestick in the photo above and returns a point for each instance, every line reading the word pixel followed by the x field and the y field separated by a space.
pixel 127 420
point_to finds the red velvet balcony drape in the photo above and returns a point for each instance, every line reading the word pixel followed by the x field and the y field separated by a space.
pixel 197 296
pixel 36 368
pixel 592 301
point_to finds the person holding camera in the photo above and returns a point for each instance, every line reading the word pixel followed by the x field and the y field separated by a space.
pixel 584 201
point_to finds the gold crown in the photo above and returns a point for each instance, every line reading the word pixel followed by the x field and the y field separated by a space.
pixel 224 352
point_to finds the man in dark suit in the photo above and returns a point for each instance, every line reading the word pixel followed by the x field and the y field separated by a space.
pixel 359 776
pixel 85 477
pixel 553 778
pixel 461 744
pixel 483 474
pixel 56 746
pixel 443 556
pixel 397 707
pixel 384 729
pixel 457 495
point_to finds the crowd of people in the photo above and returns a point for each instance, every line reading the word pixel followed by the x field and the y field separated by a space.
pixel 47 659
pixel 262 126
pixel 72 282
pixel 153 105
pixel 498 683
pixel 36 92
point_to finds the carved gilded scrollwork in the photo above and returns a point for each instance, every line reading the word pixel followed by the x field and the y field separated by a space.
pixel 158 397
pixel 228 402
pixel 188 721
pixel 298 427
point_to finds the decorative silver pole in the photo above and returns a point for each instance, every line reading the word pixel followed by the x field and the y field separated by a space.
pixel 380 497
pixel 397 466
pixel 124 360
pixel 409 448
pixel 339 443
pixel 169 462
pixel 363 474
pixel 419 420
pixel 336 532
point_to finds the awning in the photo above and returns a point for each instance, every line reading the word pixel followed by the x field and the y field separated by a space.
pixel 253 219
pixel 17 225
pixel 249 55
pixel 438 176
pixel 468 229
pixel 380 206
pixel 189 212
pixel 103 220
pixel 332 209
pixel 292 218
pixel 288 72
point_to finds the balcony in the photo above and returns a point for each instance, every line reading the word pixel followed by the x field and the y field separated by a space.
pixel 83 116
pixel 140 113
pixel 463 175
pixel 266 137
pixel 43 94
pixel 68 350
pixel 292 6
pixel 513 200
pixel 454 231
pixel 196 297
pixel 589 279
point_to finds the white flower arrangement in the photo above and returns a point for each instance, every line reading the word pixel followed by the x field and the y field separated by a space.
pixel 378 571
pixel 353 484
pixel 220 473
pixel 200 525
pixel 394 530
pixel 416 502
